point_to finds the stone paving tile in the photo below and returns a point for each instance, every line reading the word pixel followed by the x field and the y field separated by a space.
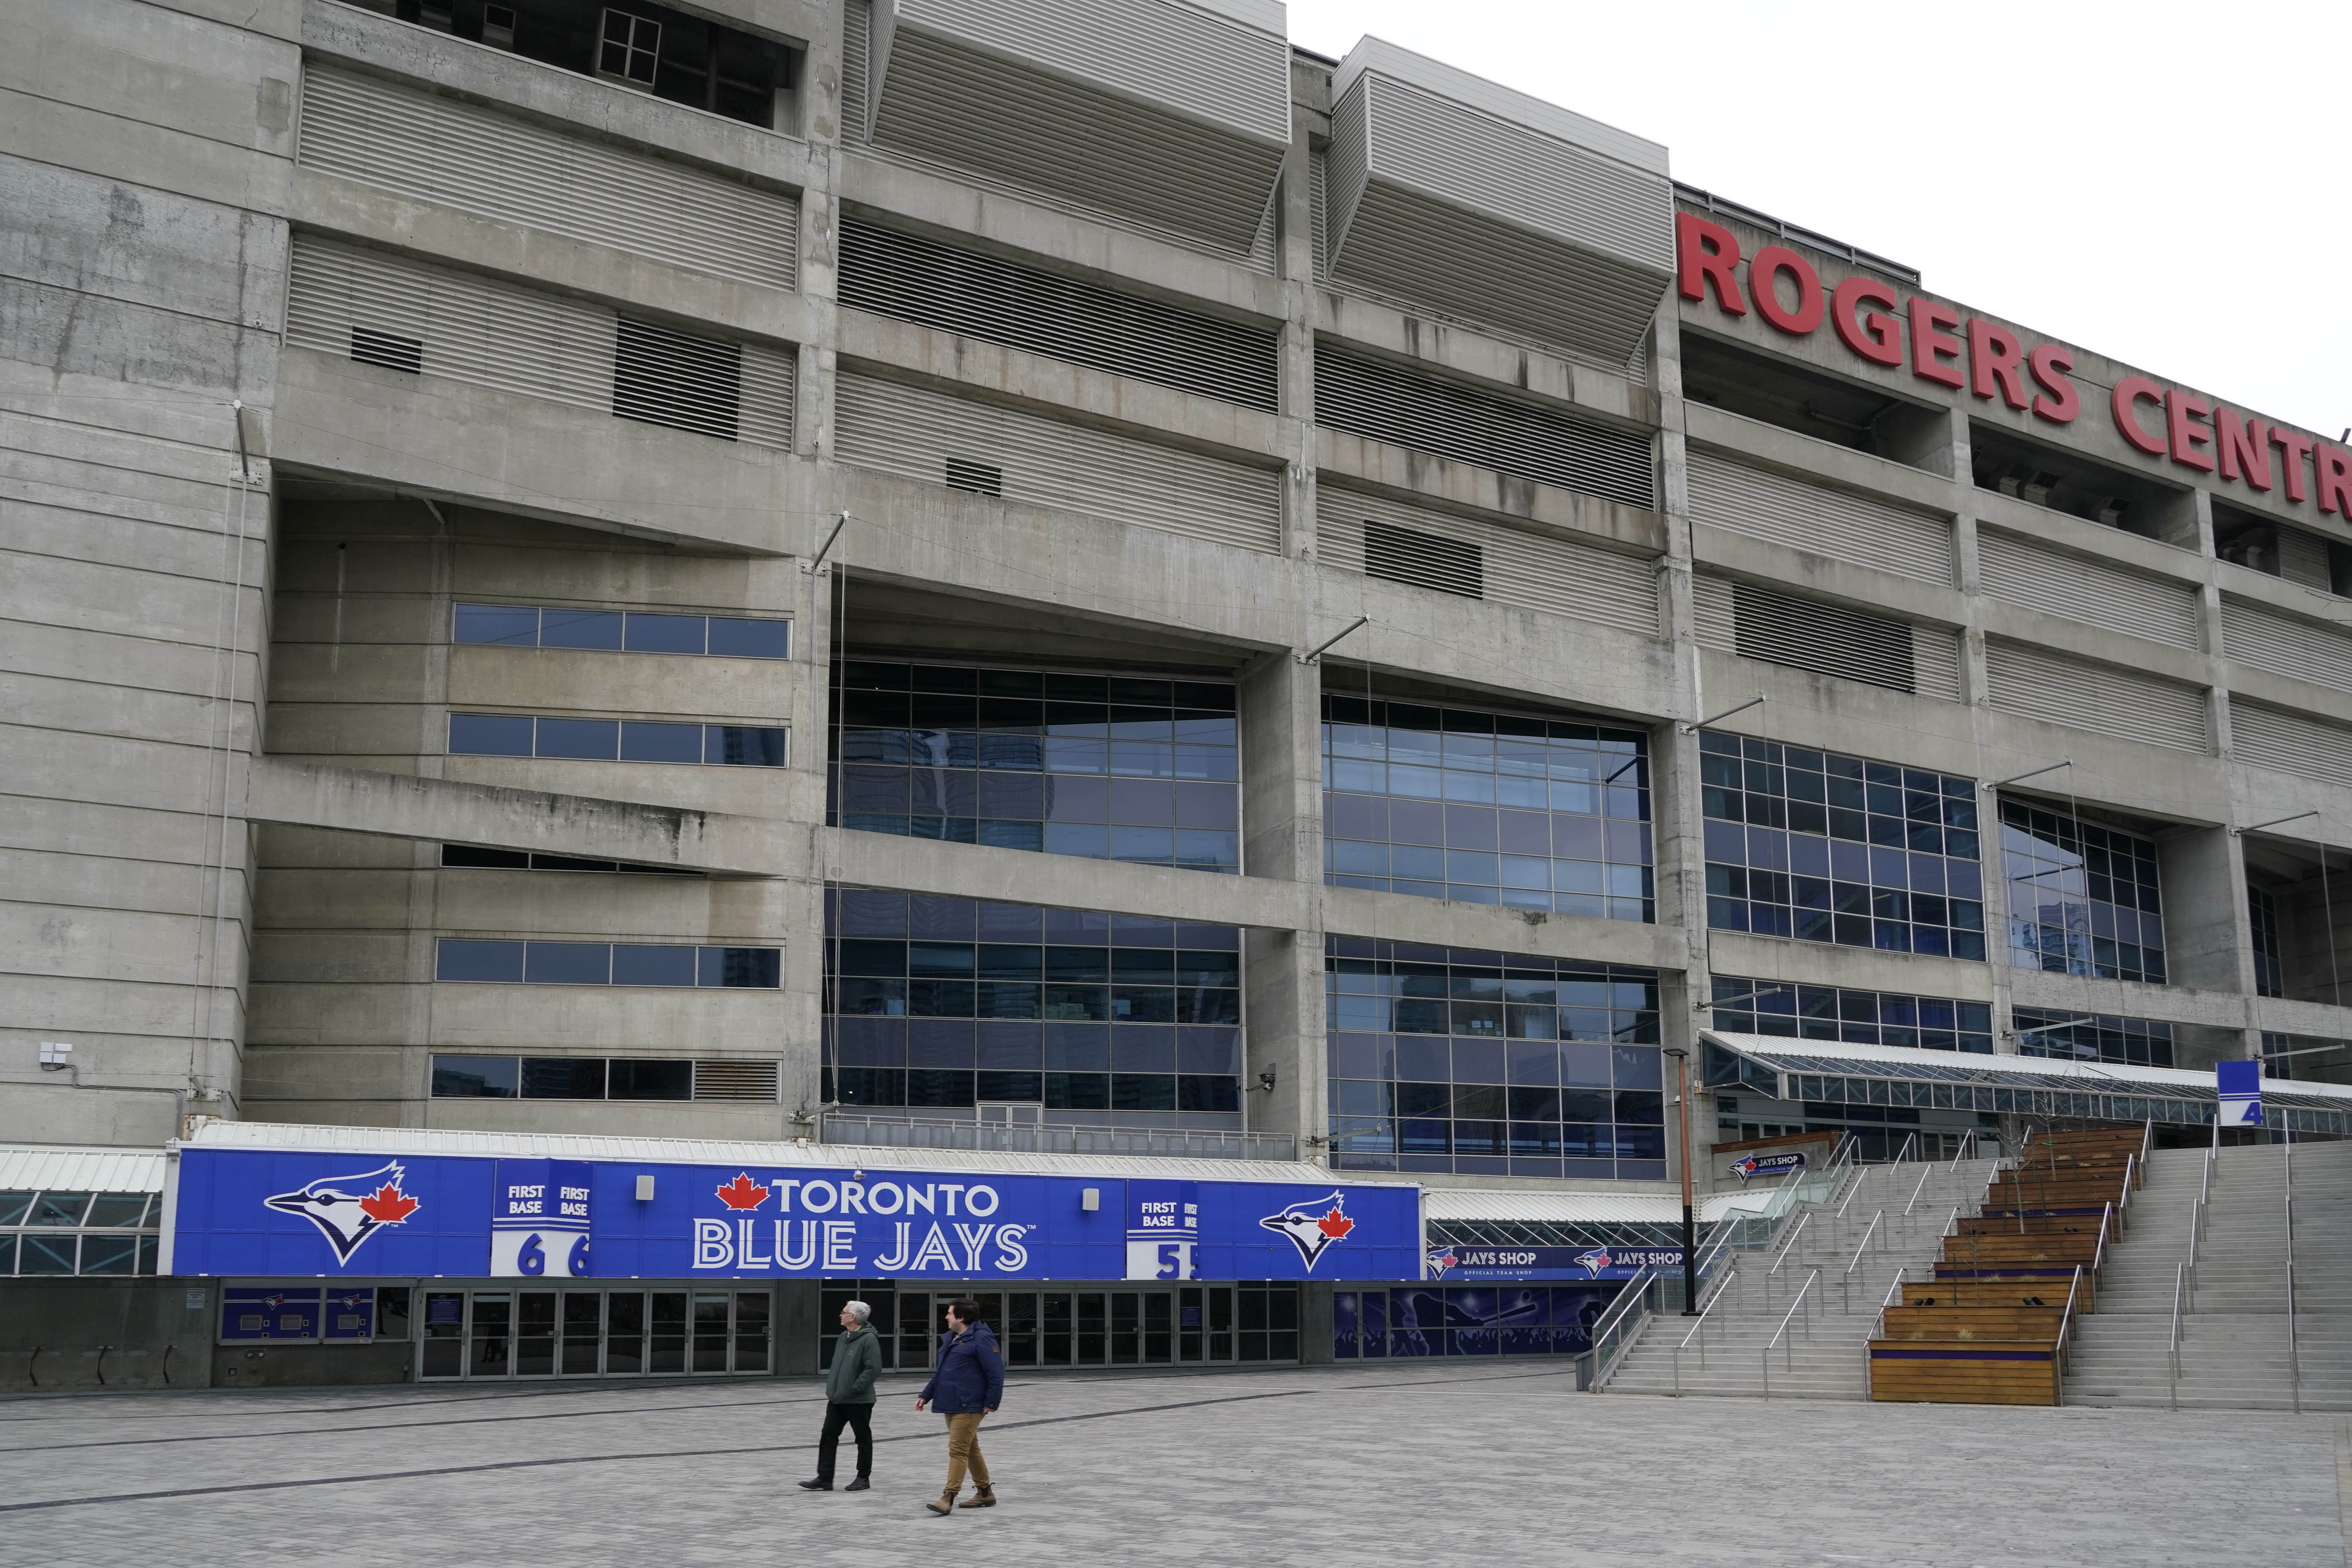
pixel 1446 1464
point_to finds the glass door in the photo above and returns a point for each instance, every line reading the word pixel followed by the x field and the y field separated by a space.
pixel 710 1331
pixel 1020 1330
pixel 1189 1346
pixel 490 1341
pixel 625 1332
pixel 444 1334
pixel 1094 1338
pixel 1126 1328
pixel 583 1314
pixel 535 1334
pixel 668 1338
pixel 752 1314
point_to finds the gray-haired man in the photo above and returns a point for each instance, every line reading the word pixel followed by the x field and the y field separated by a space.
pixel 849 1398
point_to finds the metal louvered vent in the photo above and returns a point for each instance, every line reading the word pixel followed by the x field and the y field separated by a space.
pixel 894 274
pixel 434 149
pixel 1517 566
pixel 2057 689
pixel 735 1081
pixel 668 378
pixel 1424 560
pixel 856 68
pixel 980 478
pixel 914 432
pixel 389 350
pixel 378 309
pixel 1838 523
pixel 2285 645
pixel 1384 403
pixel 1824 638
pixel 2290 744
pixel 2024 572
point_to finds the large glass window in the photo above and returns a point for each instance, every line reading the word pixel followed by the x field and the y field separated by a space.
pixel 59 1232
pixel 2082 897
pixel 2261 914
pixel 1851 1017
pixel 1109 767
pixel 940 1003
pixel 1488 808
pixel 605 964
pixel 624 631
pixel 2136 1042
pixel 1452 1059
pixel 1821 848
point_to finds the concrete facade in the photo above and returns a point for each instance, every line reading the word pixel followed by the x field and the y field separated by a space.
pixel 233 558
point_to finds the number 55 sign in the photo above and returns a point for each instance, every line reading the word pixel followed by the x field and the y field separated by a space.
pixel 1163 1226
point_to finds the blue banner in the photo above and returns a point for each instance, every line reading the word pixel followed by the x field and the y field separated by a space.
pixel 1548 1262
pixel 256 1213
pixel 2239 1086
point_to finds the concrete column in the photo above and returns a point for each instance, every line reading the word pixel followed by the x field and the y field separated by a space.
pixel 1316 1325
pixel 1282 837
pixel 798 1304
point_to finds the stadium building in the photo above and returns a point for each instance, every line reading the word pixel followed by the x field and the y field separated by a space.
pixel 1067 595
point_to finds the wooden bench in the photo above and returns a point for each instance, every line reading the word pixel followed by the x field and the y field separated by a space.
pixel 1980 1250
pixel 2038 1225
pixel 1995 1293
pixel 1964 1372
pixel 1963 1321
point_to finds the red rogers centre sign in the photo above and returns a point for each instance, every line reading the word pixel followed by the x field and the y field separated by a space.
pixel 1991 362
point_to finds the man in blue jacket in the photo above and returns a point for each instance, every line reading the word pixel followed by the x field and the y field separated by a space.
pixel 968 1385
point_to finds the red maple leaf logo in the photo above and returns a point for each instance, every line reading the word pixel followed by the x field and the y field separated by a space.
pixel 742 1192
pixel 1335 1225
pixel 388 1204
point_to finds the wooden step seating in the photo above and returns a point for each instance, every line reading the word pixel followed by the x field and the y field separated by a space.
pixel 1968 1355
pixel 1991 1326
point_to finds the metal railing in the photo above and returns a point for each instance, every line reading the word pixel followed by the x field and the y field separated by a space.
pixel 1698 1329
pixel 1846 1280
pixel 1616 1330
pixel 2065 1326
pixel 1788 1352
pixel 1893 1298
pixel 2293 1355
pixel 1051 1138
pixel 2180 1285
pixel 1917 1190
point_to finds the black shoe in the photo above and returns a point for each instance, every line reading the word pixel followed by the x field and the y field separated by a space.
pixel 816 1486
pixel 859 1485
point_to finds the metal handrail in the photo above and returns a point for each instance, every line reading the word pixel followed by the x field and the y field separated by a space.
pixel 1861 1174
pixel 2131 1167
pixel 1846 1280
pixel 1782 1254
pixel 2147 1139
pixel 1968 1143
pixel 2179 1284
pixel 2065 1324
pixel 2293 1356
pixel 1698 1330
pixel 2099 1254
pixel 1788 1356
pixel 1910 1141
pixel 1918 1190
pixel 1602 1361
pixel 1878 1326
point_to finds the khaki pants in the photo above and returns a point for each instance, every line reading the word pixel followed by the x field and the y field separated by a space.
pixel 963 1452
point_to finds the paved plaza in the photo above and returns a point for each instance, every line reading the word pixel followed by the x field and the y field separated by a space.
pixel 1444 1463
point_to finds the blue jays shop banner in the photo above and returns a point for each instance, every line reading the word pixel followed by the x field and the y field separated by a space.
pixel 1549 1262
pixel 259 1212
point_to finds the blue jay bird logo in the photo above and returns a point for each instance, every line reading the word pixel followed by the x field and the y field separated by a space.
pixel 1594 1261
pixel 1312 1226
pixel 349 1209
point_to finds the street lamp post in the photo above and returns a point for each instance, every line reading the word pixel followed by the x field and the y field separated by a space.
pixel 1690 1225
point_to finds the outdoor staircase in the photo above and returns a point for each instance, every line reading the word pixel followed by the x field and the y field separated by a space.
pixel 2209 1234
pixel 1794 1318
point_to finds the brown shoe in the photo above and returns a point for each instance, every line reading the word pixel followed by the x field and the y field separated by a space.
pixel 943 1503
pixel 984 1498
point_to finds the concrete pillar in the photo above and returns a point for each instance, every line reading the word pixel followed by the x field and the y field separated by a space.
pixel 1282 837
pixel 1316 1324
pixel 798 1304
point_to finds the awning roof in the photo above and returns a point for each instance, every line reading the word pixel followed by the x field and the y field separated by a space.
pixel 1778 1055
pixel 745 1152
pixel 1582 1208
pixel 65 1168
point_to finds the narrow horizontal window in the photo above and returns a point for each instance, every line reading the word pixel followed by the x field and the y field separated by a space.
pixel 609 740
pixel 596 1077
pixel 673 965
pixel 470 856
pixel 630 631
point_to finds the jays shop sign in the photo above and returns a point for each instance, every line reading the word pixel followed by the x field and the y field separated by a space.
pixel 1468 1263
pixel 254 1212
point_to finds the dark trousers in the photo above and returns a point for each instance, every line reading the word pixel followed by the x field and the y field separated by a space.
pixel 859 1419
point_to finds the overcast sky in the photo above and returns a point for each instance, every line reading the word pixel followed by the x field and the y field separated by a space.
pixel 2162 183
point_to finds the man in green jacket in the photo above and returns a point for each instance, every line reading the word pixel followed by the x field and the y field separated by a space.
pixel 849 1398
